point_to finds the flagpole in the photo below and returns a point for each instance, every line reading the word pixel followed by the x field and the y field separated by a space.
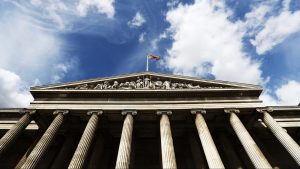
pixel 147 66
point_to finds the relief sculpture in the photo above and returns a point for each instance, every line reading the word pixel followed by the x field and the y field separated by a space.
pixel 140 83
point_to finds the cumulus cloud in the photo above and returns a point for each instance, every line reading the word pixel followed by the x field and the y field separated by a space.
pixel 28 55
pixel 103 6
pixel 205 42
pixel 276 30
pixel 255 19
pixel 271 29
pixel 13 92
pixel 27 50
pixel 287 94
pixel 137 21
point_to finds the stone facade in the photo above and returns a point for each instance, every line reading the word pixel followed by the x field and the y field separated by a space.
pixel 149 120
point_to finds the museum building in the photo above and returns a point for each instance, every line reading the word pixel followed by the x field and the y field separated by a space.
pixel 149 120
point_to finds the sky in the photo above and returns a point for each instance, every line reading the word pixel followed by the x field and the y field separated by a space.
pixel 51 41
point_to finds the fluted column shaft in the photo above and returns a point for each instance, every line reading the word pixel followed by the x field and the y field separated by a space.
pixel 167 148
pixel 251 148
pixel 123 158
pixel 45 141
pixel 211 153
pixel 285 139
pixel 14 132
pixel 85 142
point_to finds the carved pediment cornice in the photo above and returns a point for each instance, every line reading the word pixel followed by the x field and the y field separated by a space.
pixel 142 83
pixel 147 81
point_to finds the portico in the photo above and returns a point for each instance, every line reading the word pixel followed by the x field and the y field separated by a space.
pixel 150 120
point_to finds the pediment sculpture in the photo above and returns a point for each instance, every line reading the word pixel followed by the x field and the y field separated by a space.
pixel 140 83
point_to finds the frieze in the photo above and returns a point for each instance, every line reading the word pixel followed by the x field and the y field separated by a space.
pixel 139 83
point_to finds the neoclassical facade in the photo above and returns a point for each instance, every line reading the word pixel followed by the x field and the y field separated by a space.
pixel 149 120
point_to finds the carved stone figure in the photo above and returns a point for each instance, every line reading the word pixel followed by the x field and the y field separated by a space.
pixel 139 83
pixel 167 85
pixel 158 84
pixel 174 85
pixel 132 85
pixel 125 85
pixel 99 86
pixel 115 85
pixel 121 85
pixel 197 87
pixel 106 85
pixel 185 86
pixel 82 87
pixel 146 83
pixel 180 85
pixel 190 86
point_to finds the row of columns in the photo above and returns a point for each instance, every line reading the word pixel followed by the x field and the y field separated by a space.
pixel 254 153
pixel 15 131
pixel 167 149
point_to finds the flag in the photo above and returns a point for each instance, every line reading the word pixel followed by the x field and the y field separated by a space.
pixel 153 57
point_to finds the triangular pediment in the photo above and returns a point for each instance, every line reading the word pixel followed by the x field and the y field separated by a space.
pixel 147 81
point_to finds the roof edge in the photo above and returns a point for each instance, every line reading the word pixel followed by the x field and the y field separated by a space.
pixel 237 84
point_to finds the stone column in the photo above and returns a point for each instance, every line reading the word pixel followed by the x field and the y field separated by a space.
pixel 15 131
pixel 85 142
pixel 167 148
pixel 284 138
pixel 123 158
pixel 44 143
pixel 211 153
pixel 251 148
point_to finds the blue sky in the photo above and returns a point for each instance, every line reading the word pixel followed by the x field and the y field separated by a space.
pixel 51 41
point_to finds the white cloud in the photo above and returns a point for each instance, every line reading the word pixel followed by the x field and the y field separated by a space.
pixel 49 14
pixel 172 3
pixel 276 30
pixel 137 21
pixel 60 15
pixel 142 37
pixel 267 99
pixel 256 18
pixel 207 42
pixel 271 30
pixel 12 90
pixel 287 94
pixel 36 2
pixel 60 70
pixel 26 49
pixel 28 55
pixel 103 6
pixel 54 10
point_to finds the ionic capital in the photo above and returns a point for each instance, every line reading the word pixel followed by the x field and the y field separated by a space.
pixel 167 112
pixel 97 112
pixel 232 110
pixel 201 111
pixel 132 112
pixel 30 112
pixel 264 110
pixel 64 112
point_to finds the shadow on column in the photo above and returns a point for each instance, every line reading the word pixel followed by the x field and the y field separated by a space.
pixel 273 149
pixel 14 154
